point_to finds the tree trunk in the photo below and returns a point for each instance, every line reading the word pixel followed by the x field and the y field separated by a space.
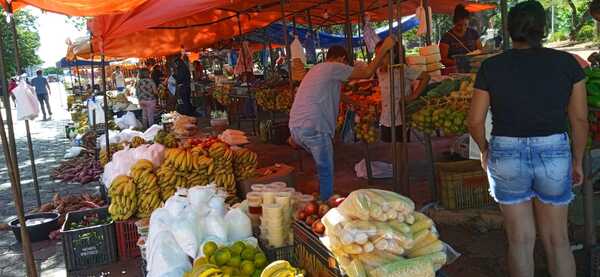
pixel 577 22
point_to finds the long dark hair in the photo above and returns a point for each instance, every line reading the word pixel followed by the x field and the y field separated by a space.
pixel 527 23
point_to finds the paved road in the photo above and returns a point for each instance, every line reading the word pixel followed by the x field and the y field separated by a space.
pixel 50 144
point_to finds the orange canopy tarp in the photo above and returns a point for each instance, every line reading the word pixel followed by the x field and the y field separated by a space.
pixel 164 27
pixel 76 7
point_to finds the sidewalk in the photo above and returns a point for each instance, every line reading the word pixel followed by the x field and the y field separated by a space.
pixel 49 144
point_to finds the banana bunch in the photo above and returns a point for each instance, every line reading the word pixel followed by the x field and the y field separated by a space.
pixel 223 175
pixel 280 268
pixel 137 141
pixel 123 196
pixel 148 191
pixel 284 100
pixel 168 181
pixel 244 163
pixel 103 156
pixel 179 159
pixel 205 270
pixel 165 138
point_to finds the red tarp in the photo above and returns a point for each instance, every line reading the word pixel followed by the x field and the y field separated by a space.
pixel 163 27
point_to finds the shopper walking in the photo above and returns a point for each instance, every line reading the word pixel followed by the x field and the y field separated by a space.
pixel 146 92
pixel 532 162
pixel 315 108
pixel 42 90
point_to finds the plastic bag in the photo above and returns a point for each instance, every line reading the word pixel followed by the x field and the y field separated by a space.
pixel 186 234
pixel 151 132
pixel 94 106
pixel 120 164
pixel 378 169
pixel 127 134
pixel 73 152
pixel 176 205
pixel 199 196
pixel 152 152
pixel 26 101
pixel 297 50
pixel 166 258
pixel 113 137
pixel 217 205
pixel 239 226
pixel 215 227
pixel 373 204
pixel 128 121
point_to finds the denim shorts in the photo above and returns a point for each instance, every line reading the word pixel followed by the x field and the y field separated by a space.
pixel 522 168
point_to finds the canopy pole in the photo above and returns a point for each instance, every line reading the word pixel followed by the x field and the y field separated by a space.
pixel 104 94
pixel 287 44
pixel 427 22
pixel 78 74
pixel 392 100
pixel 34 175
pixel 11 157
pixel 504 15
pixel 404 186
pixel 242 52
pixel 348 28
pixel 588 210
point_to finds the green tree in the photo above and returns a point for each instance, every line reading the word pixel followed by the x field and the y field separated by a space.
pixel 79 22
pixel 53 70
pixel 28 39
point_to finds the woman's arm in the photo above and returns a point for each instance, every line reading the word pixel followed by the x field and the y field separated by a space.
pixel 423 82
pixel 476 121
pixel 478 44
pixel 444 49
pixel 578 117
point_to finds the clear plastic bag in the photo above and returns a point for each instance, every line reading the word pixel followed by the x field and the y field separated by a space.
pixel 166 258
pixel 239 226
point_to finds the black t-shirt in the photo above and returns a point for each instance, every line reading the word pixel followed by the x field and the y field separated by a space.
pixel 529 90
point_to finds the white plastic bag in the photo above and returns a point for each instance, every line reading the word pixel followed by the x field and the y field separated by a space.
pixel 128 134
pixel 199 196
pixel 217 205
pixel 154 153
pixel 26 101
pixel 128 121
pixel 73 152
pixel 94 105
pixel 185 233
pixel 151 132
pixel 166 258
pixel 215 227
pixel 113 137
pixel 176 205
pixel 297 50
pixel 239 226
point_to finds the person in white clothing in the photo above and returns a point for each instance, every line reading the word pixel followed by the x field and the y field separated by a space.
pixel 118 79
pixel 412 79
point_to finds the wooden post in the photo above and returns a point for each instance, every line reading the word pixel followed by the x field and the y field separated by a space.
pixel 588 211
pixel 10 156
pixel 403 164
pixel 287 44
pixel 107 140
pixel 504 14
pixel 427 22
pixel 363 23
pixel 392 100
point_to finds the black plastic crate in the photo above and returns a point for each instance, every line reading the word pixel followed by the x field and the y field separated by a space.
pixel 311 254
pixel 286 253
pixel 90 246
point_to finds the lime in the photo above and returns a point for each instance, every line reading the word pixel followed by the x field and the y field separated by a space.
pixel 212 260
pixel 247 267
pixel 237 247
pixel 235 261
pixel 260 260
pixel 256 273
pixel 227 270
pixel 248 254
pixel 222 256
pixel 209 248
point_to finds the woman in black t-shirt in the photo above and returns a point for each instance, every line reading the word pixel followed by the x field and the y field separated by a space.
pixel 533 93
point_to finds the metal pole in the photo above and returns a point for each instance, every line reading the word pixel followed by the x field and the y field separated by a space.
pixel 427 22
pixel 588 210
pixel 108 154
pixel 34 176
pixel 78 74
pixel 504 13
pixel 92 75
pixel 404 186
pixel 392 100
pixel 348 31
pixel 286 41
pixel 10 155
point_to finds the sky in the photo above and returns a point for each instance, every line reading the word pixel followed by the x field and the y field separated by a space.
pixel 54 31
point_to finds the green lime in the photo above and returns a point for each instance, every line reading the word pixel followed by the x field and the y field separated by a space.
pixel 222 256
pixel 247 267
pixel 209 248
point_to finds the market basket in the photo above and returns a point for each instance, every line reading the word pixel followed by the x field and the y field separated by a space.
pixel 463 185
pixel 89 246
pixel 127 238
pixel 311 254
pixel 286 253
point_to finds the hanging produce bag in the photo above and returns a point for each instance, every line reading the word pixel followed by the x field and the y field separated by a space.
pixel 347 131
pixel 244 61
pixel 371 38
pixel 297 50
pixel 26 101
pixel 422 16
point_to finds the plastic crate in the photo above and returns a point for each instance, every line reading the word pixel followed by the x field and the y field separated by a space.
pixel 463 185
pixel 286 253
pixel 90 246
pixel 311 254
pixel 127 237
